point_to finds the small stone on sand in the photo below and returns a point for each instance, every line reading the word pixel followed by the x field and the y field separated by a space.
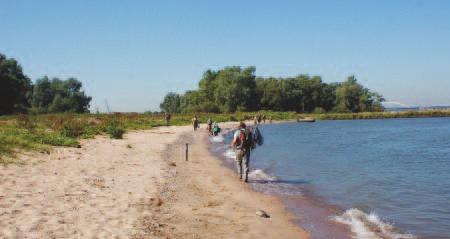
pixel 262 213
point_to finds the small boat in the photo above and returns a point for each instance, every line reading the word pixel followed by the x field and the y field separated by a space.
pixel 308 120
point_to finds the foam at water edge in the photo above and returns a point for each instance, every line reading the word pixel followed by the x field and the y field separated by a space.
pixel 259 174
pixel 230 154
pixel 217 139
pixel 369 226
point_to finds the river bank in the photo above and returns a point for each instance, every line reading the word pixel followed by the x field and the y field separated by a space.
pixel 39 133
pixel 373 176
pixel 137 187
pixel 309 212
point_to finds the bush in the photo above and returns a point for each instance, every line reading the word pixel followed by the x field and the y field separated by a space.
pixel 115 132
pixel 72 129
pixel 114 128
pixel 57 140
pixel 90 131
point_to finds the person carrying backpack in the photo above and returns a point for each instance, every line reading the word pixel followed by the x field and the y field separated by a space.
pixel 243 143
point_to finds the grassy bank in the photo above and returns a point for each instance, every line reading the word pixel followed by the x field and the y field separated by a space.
pixel 39 133
pixel 382 115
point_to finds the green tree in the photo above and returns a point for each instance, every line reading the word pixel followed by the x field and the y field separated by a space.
pixel 238 89
pixel 269 94
pixel 328 97
pixel 14 87
pixel 171 103
pixel 207 85
pixel 353 97
pixel 235 89
pixel 57 96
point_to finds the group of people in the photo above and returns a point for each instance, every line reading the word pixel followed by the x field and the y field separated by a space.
pixel 212 127
pixel 244 140
pixel 261 118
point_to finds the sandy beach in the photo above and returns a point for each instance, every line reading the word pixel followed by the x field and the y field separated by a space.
pixel 137 187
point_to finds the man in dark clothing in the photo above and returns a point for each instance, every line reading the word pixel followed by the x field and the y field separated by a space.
pixel 195 122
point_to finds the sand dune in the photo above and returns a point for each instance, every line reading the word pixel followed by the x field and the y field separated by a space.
pixel 138 187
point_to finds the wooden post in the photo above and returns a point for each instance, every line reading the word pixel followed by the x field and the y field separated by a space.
pixel 187 151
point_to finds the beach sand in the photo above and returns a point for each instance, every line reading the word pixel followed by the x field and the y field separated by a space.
pixel 137 187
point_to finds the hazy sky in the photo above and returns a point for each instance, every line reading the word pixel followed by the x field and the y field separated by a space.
pixel 133 52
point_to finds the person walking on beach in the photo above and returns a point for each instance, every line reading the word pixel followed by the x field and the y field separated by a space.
pixel 209 123
pixel 255 120
pixel 167 118
pixel 195 122
pixel 243 143
pixel 216 129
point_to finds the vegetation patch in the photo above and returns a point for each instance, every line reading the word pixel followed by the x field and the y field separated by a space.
pixel 40 132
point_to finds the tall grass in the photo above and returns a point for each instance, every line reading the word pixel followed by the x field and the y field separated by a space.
pixel 39 133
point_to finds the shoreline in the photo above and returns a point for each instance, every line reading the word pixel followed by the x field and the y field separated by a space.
pixel 324 220
pixel 307 210
pixel 42 132
pixel 136 187
pixel 211 199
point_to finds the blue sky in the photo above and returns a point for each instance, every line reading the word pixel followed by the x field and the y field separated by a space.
pixel 132 52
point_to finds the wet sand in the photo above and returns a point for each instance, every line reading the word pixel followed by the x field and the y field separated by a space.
pixel 138 187
pixel 310 211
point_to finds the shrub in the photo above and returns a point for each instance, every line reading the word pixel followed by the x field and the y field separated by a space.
pixel 115 132
pixel 113 128
pixel 90 131
pixel 56 140
pixel 72 129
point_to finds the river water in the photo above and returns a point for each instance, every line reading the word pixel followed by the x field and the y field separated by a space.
pixel 385 178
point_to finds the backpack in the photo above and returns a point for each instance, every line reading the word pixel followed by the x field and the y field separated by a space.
pixel 246 138
pixel 257 137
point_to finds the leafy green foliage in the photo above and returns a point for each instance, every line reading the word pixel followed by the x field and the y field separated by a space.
pixel 353 97
pixel 171 103
pixel 226 90
pixel 14 87
pixel 17 93
pixel 238 89
pixel 57 96
pixel 114 131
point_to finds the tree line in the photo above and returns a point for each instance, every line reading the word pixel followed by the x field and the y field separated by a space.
pixel 18 94
pixel 235 88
